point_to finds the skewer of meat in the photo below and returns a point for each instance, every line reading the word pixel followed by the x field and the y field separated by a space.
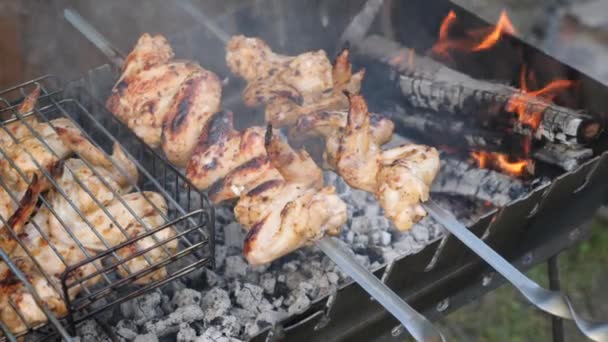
pixel 279 192
pixel 400 177
pixel 280 196
pixel 166 102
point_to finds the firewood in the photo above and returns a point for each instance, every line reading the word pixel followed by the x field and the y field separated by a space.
pixel 428 84
pixel 462 178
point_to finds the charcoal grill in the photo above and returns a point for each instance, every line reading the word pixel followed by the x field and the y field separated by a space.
pixel 189 212
pixel 445 275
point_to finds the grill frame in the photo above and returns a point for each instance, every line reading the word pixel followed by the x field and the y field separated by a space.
pixel 196 224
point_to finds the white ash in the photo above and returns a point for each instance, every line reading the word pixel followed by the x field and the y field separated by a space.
pixel 186 333
pixel 237 301
pixel 91 331
pixel 150 337
pixel 170 324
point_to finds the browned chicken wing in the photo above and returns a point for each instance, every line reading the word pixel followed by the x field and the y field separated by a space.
pixel 291 87
pixel 281 201
pixel 166 103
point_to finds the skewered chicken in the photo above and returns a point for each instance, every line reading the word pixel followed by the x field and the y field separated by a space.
pixel 166 103
pixel 281 201
pixel 400 177
pixel 304 90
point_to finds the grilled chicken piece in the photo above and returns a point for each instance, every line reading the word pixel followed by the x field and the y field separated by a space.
pixel 166 103
pixel 281 201
pixel 284 215
pixel 331 126
pixel 31 153
pixel 400 177
pixel 291 87
pixel 13 291
pixel 18 307
pixel 228 162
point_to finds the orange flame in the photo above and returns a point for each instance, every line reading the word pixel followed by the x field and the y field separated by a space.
pixel 474 40
pixel 503 25
pixel 502 162
pixel 528 114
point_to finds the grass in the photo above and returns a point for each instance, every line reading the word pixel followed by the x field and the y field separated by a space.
pixel 504 316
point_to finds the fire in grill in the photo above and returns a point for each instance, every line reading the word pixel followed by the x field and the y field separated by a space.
pixel 509 128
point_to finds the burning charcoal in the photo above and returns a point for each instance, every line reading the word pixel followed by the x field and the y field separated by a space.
pixel 212 279
pixel 236 266
pixel 143 308
pixel 350 236
pixel 216 303
pixel 333 278
pixel 214 335
pixel 360 225
pixel 229 324
pixel 186 333
pixel 385 238
pixel 186 297
pixel 363 260
pixel 421 233
pixel 150 337
pixel 268 282
pixel 278 302
pixel 362 240
pixel 170 324
pixel 294 279
pixel 299 303
pixel 126 329
pixel 220 255
pixel 372 210
pixel 251 297
pixel 243 314
pixel 357 198
pixel 90 330
pixel 233 235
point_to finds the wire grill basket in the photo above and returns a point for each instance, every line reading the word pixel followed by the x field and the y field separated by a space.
pixel 131 256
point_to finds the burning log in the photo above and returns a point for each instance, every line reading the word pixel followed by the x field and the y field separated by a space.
pixel 428 84
pixel 566 157
pixel 462 178
pixel 457 133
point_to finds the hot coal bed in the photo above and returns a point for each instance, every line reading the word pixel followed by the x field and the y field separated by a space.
pixel 304 296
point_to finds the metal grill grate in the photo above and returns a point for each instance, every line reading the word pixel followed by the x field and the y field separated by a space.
pixel 111 275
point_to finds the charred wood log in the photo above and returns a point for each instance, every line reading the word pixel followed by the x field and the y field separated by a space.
pixel 461 178
pixel 459 134
pixel 428 84
pixel 566 157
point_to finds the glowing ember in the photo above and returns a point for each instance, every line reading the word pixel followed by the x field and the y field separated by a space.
pixel 474 40
pixel 531 114
pixel 502 162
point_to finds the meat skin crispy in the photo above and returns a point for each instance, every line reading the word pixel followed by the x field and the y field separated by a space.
pixel 166 102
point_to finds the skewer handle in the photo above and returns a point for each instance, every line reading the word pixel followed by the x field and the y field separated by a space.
pixel 416 324
pixel 74 18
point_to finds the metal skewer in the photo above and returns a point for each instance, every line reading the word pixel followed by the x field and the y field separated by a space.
pixel 552 302
pixel 416 324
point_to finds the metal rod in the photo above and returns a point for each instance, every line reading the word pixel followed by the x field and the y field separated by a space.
pixel 416 324
pixel 557 324
pixel 93 36
pixel 361 23
pixel 202 18
pixel 552 302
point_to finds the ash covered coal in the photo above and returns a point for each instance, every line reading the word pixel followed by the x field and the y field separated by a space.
pixel 237 301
